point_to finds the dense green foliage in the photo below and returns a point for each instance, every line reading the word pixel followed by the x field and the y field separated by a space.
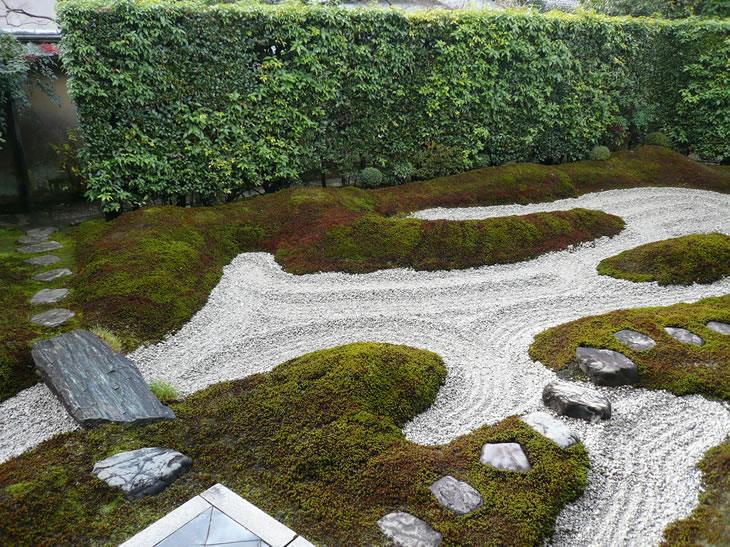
pixel 657 138
pixel 370 177
pixel 13 72
pixel 179 98
pixel 671 9
pixel 709 523
pixel 671 365
pixel 694 258
pixel 600 153
pixel 317 444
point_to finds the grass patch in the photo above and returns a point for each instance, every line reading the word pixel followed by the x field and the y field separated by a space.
pixel 316 443
pixel 694 258
pixel 709 523
pixel 108 336
pixel 671 365
pixel 163 391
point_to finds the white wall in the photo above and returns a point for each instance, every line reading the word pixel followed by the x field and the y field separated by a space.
pixel 16 22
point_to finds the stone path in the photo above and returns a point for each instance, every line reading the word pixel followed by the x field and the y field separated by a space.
pixel 36 241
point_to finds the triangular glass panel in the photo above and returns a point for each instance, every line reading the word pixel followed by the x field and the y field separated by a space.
pixel 223 529
pixel 192 534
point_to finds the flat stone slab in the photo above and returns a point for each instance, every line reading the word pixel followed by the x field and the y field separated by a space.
pixel 405 530
pixel 144 472
pixel 36 235
pixel 505 456
pixel 606 367
pixel 52 318
pixel 49 296
pixel 635 340
pixel 40 247
pixel 722 328
pixel 459 496
pixel 94 383
pixel 552 428
pixel 576 401
pixel 50 275
pixel 685 336
pixel 45 260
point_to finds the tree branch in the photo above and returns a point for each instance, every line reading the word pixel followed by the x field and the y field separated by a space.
pixel 8 12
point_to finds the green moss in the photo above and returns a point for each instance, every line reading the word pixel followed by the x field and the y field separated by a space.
pixel 694 258
pixel 709 523
pixel 316 443
pixel 671 365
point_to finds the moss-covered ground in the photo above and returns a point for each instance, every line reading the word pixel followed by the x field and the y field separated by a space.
pixel 316 443
pixel 694 258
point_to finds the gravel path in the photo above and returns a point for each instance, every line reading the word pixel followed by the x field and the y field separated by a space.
pixel 482 322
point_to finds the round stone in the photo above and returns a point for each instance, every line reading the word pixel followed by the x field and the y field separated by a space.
pixel 635 340
pixel 721 328
pixel 685 336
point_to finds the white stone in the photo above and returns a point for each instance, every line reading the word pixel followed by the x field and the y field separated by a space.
pixel 505 456
pixel 459 496
pixel 405 530
pixel 552 428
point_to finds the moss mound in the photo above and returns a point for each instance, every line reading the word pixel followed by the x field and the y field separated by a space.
pixel 709 523
pixel 671 365
pixel 694 258
pixel 317 444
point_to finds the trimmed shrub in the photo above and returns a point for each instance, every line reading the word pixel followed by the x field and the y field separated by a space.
pixel 370 177
pixel 658 139
pixel 600 153
pixel 177 98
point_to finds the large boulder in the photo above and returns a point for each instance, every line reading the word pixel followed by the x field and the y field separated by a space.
pixel 405 530
pixel 576 401
pixel 552 428
pixel 606 367
pixel 459 496
pixel 143 472
pixel 94 383
pixel 505 456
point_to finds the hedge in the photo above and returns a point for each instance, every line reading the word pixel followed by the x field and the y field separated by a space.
pixel 179 98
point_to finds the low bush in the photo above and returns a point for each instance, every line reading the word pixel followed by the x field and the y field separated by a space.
pixel 370 177
pixel 600 153
pixel 658 139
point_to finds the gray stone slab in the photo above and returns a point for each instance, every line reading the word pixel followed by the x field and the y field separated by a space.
pixel 552 428
pixel 505 456
pixel 575 401
pixel 405 530
pixel 459 496
pixel 40 247
pixel 721 328
pixel 606 367
pixel 36 235
pixel 94 383
pixel 41 231
pixel 685 336
pixel 45 260
pixel 49 296
pixel 143 472
pixel 635 340
pixel 51 275
pixel 52 318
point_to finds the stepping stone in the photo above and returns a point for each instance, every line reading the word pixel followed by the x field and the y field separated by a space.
pixel 94 383
pixel 505 456
pixel 45 260
pixel 405 530
pixel 635 340
pixel 456 495
pixel 144 472
pixel 722 328
pixel 40 247
pixel 552 428
pixel 49 296
pixel 576 401
pixel 684 336
pixel 36 235
pixel 50 275
pixel 606 367
pixel 52 318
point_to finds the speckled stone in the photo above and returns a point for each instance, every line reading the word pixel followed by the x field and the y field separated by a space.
pixel 49 296
pixel 685 336
pixel 52 318
pixel 45 260
pixel 143 472
pixel 635 340
pixel 575 401
pixel 456 495
pixel 40 247
pixel 405 530
pixel 36 235
pixel 50 275
pixel 606 367
pixel 721 328
pixel 505 456
pixel 552 428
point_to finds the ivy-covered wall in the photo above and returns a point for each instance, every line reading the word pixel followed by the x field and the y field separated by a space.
pixel 179 97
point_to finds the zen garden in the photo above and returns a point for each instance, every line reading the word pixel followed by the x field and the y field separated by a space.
pixel 365 275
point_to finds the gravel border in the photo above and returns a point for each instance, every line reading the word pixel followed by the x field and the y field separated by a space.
pixel 482 321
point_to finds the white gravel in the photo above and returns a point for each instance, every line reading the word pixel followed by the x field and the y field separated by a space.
pixel 482 322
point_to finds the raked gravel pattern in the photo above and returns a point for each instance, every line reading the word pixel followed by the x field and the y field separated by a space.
pixel 481 321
